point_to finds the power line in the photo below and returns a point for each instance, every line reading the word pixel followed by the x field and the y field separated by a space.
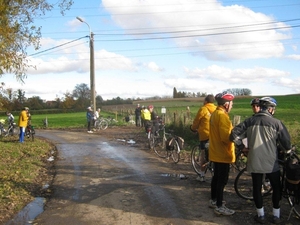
pixel 58 46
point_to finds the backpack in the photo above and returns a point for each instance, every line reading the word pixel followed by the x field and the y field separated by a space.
pixel 170 142
pixel 293 176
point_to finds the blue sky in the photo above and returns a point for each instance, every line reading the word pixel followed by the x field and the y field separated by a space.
pixel 145 48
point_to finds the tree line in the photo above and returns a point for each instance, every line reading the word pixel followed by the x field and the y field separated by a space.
pixel 234 91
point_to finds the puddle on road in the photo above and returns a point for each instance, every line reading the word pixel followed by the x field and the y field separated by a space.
pixel 180 176
pixel 29 212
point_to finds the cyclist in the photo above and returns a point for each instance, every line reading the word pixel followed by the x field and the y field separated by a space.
pixel 221 151
pixel 201 125
pixel 154 119
pixel 96 116
pixel 10 117
pixel 138 115
pixel 89 118
pixel 23 122
pixel 264 133
pixel 146 115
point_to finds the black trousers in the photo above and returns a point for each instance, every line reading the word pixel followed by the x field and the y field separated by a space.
pixel 219 180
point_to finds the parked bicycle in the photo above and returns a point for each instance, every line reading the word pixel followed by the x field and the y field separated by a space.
pixel 168 145
pixel 196 153
pixel 10 131
pixel 290 191
pixel 101 123
pixel 30 132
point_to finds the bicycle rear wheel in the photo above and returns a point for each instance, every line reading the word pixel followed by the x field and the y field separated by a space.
pixel 175 153
pixel 196 158
pixel 159 147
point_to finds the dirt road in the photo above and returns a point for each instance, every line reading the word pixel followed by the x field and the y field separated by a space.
pixel 104 180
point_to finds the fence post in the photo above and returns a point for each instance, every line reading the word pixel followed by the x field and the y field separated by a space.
pixel 236 120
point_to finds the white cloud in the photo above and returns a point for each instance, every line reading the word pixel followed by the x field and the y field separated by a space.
pixel 154 67
pixel 294 57
pixel 196 20
pixel 236 76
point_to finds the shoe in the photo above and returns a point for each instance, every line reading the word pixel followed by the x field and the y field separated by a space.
pixel 223 210
pixel 90 132
pixel 201 178
pixel 213 204
pixel 276 220
pixel 260 219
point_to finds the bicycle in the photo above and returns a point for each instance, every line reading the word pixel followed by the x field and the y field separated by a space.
pixel 243 184
pixel 168 147
pixel 101 123
pixel 12 129
pixel 30 132
pixel 196 152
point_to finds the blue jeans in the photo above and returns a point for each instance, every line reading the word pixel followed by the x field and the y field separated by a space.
pixel 22 134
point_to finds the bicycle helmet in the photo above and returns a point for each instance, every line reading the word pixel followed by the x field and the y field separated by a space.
pixel 267 102
pixel 224 97
pixel 254 101
pixel 150 107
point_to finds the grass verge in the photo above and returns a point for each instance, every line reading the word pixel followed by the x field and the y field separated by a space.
pixel 23 169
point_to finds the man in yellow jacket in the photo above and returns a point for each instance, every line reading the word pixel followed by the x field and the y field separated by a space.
pixel 221 151
pixel 201 125
pixel 23 121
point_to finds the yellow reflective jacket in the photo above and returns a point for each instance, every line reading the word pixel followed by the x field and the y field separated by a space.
pixel 23 119
pixel 221 149
pixel 146 115
pixel 201 121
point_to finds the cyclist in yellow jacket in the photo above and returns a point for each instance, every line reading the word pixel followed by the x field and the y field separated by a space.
pixel 146 116
pixel 22 123
pixel 201 125
pixel 221 151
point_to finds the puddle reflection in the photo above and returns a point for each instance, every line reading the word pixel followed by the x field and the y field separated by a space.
pixel 29 212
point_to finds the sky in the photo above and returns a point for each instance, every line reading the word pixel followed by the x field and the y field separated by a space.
pixel 145 48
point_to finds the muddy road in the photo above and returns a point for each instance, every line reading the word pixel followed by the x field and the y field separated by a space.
pixel 105 180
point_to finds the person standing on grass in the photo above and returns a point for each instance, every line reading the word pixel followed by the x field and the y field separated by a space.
pixel 138 115
pixel 89 117
pixel 221 152
pixel 23 122
pixel 264 134
pixel 201 125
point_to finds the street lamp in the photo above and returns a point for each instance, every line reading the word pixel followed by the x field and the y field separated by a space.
pixel 92 65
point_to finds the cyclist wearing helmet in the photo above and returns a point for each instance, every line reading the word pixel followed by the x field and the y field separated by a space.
pixel 255 105
pixel 264 133
pixel 221 151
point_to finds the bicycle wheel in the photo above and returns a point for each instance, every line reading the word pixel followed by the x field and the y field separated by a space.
pixel 175 153
pixel 243 185
pixel 159 147
pixel 103 124
pixel 195 158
